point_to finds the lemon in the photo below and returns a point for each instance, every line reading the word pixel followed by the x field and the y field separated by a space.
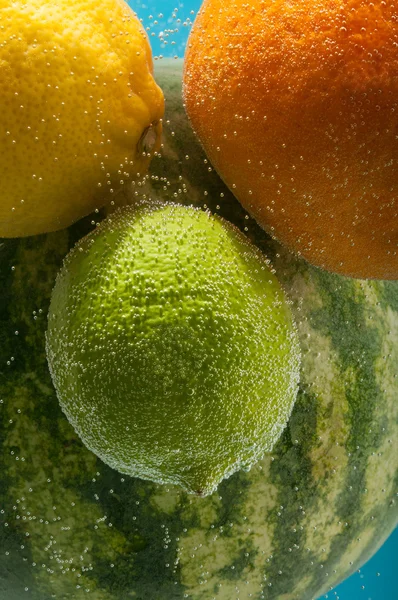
pixel 172 346
pixel 80 110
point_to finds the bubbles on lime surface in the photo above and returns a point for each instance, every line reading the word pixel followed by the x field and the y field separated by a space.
pixel 172 346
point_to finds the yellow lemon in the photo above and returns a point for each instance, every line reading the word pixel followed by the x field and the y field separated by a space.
pixel 80 110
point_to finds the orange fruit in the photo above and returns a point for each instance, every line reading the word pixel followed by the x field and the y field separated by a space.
pixel 296 105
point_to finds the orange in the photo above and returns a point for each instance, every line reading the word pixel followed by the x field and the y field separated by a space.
pixel 296 104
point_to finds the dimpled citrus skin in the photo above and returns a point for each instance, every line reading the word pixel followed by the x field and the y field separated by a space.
pixel 77 94
pixel 295 103
pixel 172 347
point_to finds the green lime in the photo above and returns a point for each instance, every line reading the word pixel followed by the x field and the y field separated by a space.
pixel 172 347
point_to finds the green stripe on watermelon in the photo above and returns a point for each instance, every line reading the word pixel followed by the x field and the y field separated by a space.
pixel 291 528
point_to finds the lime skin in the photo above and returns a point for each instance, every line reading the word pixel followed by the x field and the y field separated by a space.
pixel 172 347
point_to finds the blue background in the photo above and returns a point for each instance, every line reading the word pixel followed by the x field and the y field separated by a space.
pixel 168 24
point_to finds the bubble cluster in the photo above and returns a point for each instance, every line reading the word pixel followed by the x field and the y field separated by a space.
pixel 301 520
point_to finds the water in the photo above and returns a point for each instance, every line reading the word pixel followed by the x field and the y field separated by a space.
pixel 168 24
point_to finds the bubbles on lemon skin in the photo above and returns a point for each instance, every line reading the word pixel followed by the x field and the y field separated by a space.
pixel 172 347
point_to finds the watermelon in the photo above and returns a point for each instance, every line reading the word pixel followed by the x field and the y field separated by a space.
pixel 301 520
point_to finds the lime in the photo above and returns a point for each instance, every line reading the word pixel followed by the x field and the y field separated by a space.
pixel 172 347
